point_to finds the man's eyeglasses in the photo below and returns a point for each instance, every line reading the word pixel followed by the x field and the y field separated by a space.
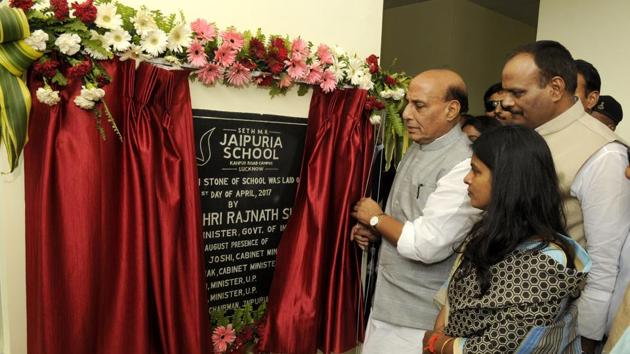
pixel 491 105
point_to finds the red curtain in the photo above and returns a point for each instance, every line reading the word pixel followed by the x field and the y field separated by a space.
pixel 114 260
pixel 315 297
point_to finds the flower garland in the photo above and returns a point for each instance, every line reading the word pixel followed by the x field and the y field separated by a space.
pixel 239 332
pixel 75 37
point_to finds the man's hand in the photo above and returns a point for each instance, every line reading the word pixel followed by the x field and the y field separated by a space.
pixel 364 209
pixel 628 172
pixel 363 235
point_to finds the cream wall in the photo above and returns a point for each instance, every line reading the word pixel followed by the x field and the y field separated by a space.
pixel 457 34
pixel 12 267
pixel 598 32
pixel 354 25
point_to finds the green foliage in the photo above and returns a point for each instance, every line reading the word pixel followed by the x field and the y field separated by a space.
pixel 72 27
pixel 96 46
pixel 303 89
pixel 127 14
pixel 240 317
pixel 59 79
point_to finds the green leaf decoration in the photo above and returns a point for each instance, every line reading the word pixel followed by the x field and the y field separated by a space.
pixel 96 46
pixel 72 27
pixel 303 89
pixel 59 79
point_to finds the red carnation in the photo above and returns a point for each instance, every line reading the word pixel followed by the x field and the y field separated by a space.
pixel 248 63
pixel 372 62
pixel 257 48
pixel 102 81
pixel 390 81
pixel 21 4
pixel 80 70
pixel 46 68
pixel 86 11
pixel 60 8
pixel 280 49
pixel 373 103
pixel 275 66
pixel 265 81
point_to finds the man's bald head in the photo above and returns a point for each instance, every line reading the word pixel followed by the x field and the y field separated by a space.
pixel 436 98
pixel 450 83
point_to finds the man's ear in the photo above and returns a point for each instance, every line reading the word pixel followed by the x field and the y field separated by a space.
pixel 557 87
pixel 591 100
pixel 452 110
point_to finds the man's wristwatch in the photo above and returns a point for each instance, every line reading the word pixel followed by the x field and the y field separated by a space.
pixel 375 219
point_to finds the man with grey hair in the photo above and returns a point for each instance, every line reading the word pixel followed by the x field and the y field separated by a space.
pixel 428 213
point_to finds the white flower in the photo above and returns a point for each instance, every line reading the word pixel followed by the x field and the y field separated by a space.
pixel 154 42
pixel 143 22
pixel 118 39
pixel 83 102
pixel 41 5
pixel 134 52
pixel 339 68
pixel 179 38
pixel 47 96
pixel 68 43
pixel 375 119
pixel 106 16
pixel 386 93
pixel 398 94
pixel 365 82
pixel 37 40
pixel 95 36
pixel 93 94
pixel 338 52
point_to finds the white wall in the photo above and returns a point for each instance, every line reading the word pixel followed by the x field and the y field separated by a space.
pixel 12 264
pixel 596 31
pixel 457 34
pixel 354 25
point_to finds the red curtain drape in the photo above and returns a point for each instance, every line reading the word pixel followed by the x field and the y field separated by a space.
pixel 315 295
pixel 114 260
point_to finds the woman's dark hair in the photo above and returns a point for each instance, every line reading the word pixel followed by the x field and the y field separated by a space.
pixel 481 123
pixel 525 200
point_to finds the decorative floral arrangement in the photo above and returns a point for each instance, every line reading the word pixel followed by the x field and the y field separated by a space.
pixel 238 332
pixel 76 36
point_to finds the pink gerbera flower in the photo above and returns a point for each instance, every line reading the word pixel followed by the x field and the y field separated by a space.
pixel 314 76
pixel 196 54
pixel 225 55
pixel 209 74
pixel 238 75
pixel 204 31
pixel 232 39
pixel 299 50
pixel 285 81
pixel 329 81
pixel 323 52
pixel 222 337
pixel 296 69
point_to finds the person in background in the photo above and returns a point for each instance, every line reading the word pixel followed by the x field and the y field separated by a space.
pixel 540 80
pixel 516 270
pixel 492 103
pixel 608 111
pixel 473 127
pixel 428 213
pixel 588 84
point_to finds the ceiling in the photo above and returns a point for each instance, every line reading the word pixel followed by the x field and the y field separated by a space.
pixel 525 11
